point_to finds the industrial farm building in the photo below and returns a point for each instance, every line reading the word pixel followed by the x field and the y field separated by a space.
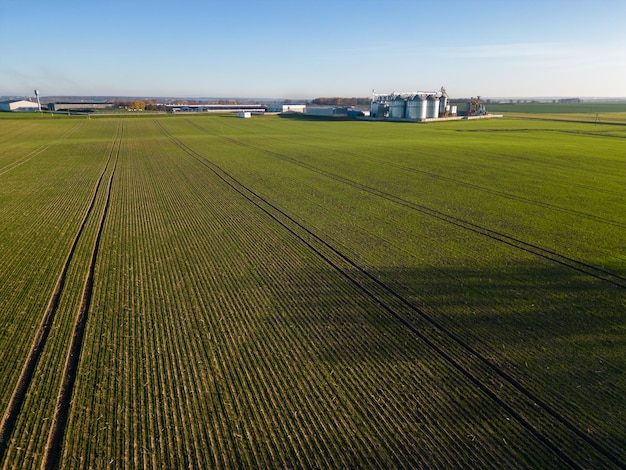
pixel 18 106
pixel 80 106
pixel 336 111
pixel 415 106
pixel 286 108
pixel 216 108
pixel 422 106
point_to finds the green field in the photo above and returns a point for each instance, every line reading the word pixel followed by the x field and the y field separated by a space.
pixel 587 107
pixel 207 291
pixel 590 112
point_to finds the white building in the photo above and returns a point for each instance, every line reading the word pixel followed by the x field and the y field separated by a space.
pixel 295 108
pixel 18 106
pixel 285 108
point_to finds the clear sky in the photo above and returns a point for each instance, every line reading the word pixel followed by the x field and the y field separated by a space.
pixel 312 48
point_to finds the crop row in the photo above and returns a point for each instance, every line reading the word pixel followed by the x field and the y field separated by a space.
pixel 18 145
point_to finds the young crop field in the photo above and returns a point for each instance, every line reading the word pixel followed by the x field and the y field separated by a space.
pixel 213 292
pixel 589 112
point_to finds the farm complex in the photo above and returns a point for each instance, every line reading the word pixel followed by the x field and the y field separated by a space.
pixel 416 106
pixel 189 290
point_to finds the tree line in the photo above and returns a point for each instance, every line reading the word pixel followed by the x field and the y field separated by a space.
pixel 148 105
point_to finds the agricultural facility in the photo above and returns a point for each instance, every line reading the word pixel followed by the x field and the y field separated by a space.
pixel 216 108
pixel 423 106
pixel 80 106
pixel 193 290
pixel 285 108
pixel 333 111
pixel 18 106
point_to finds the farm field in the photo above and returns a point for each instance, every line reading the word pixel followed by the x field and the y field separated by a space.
pixel 586 107
pixel 207 291
pixel 590 112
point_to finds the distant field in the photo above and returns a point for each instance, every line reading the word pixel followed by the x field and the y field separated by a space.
pixel 208 291
pixel 588 112
pixel 559 108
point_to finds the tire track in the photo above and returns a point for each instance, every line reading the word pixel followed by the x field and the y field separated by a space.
pixel 583 121
pixel 436 176
pixel 545 253
pixel 503 194
pixel 15 132
pixel 32 154
pixel 477 369
pixel 53 449
pixel 19 393
pixel 513 197
pixel 569 184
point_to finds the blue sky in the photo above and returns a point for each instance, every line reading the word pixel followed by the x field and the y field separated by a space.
pixel 306 49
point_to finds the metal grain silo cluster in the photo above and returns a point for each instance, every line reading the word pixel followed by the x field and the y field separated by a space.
pixel 414 106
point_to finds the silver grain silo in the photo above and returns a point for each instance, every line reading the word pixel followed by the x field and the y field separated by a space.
pixel 416 107
pixel 432 107
pixel 377 109
pixel 397 108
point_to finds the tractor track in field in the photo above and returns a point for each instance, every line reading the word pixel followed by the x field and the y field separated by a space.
pixel 53 449
pixel 33 153
pixel 513 197
pixel 16 401
pixel 503 194
pixel 481 188
pixel 534 414
pixel 15 132
pixel 545 253
pixel 582 121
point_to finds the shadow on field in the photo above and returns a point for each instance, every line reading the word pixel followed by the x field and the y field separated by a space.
pixel 512 311
pixel 556 331
pixel 539 321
